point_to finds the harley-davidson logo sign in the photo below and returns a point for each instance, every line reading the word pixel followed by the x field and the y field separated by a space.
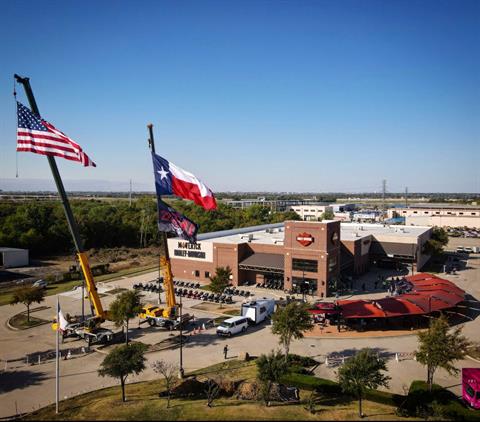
pixel 305 239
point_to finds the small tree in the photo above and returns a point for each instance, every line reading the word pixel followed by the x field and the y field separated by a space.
pixel 290 322
pixel 169 372
pixel 362 372
pixel 126 306
pixel 439 349
pixel 271 368
pixel 438 241
pixel 123 361
pixel 212 390
pixel 327 215
pixel 220 280
pixel 28 295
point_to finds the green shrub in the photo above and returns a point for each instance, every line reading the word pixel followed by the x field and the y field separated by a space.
pixel 438 403
pixel 304 361
pixel 309 382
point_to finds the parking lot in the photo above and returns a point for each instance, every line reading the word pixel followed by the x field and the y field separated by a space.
pixel 25 386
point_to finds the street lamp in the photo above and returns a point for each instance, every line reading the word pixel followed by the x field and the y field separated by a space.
pixel 180 369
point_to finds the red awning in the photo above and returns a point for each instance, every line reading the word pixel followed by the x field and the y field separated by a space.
pixel 429 294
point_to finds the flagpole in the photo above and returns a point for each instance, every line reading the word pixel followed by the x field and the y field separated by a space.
pixel 164 251
pixel 57 361
pixel 72 224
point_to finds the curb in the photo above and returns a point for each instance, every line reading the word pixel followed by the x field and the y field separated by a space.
pixel 358 338
pixel 475 360
pixel 11 327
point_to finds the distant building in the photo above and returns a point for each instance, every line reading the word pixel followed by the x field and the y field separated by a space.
pixel 13 257
pixel 274 205
pixel 441 215
pixel 311 212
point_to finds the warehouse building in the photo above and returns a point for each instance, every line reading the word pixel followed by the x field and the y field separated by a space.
pixel 440 216
pixel 13 257
pixel 297 252
pixel 311 212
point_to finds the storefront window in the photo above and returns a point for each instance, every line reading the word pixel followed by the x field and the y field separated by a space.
pixel 332 263
pixel 309 265
pixel 304 285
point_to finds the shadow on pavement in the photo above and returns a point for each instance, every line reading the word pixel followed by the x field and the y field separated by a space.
pixel 13 380
pixel 336 359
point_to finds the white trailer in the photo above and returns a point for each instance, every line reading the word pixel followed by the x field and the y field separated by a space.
pixel 258 310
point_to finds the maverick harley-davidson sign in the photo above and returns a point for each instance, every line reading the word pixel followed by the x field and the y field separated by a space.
pixel 305 239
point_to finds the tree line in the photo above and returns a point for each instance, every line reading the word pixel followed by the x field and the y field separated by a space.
pixel 42 226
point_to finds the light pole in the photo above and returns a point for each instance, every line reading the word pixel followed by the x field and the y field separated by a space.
pixel 180 369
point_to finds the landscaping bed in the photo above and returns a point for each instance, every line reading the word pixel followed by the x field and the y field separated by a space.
pixel 19 321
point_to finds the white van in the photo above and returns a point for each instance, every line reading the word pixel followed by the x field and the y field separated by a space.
pixel 232 326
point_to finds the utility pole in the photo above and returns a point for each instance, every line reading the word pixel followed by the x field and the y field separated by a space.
pixel 384 191
pixel 406 197
pixel 130 194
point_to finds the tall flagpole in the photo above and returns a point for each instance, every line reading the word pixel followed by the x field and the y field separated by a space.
pixel 164 254
pixel 57 361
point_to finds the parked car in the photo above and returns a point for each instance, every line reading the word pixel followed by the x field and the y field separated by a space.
pixel 40 283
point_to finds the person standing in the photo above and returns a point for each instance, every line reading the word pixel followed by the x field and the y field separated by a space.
pixel 225 351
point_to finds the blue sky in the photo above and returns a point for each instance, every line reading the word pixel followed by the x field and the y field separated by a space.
pixel 251 95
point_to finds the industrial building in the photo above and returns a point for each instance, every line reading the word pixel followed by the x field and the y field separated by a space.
pixel 311 212
pixel 440 216
pixel 298 252
pixel 13 257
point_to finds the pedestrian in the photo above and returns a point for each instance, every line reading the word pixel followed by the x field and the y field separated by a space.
pixel 225 351
pixel 363 286
pixel 376 284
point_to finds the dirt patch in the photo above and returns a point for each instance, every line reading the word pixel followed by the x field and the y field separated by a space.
pixel 51 266
pixel 214 307
pixel 191 388
pixel 168 343
pixel 115 291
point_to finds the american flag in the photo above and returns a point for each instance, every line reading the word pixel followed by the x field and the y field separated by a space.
pixel 37 135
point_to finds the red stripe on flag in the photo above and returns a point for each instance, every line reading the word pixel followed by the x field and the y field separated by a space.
pixel 190 191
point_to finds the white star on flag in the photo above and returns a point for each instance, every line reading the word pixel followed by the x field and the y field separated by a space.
pixel 163 173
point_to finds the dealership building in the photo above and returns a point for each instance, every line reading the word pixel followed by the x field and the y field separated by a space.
pixel 294 252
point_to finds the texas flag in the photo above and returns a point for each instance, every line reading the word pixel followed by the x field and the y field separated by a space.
pixel 172 180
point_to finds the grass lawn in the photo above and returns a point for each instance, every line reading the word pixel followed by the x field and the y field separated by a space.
pixel 20 321
pixel 6 294
pixel 143 403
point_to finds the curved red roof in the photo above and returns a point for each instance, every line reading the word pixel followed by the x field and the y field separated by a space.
pixel 429 293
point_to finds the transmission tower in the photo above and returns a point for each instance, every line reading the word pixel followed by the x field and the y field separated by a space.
pixel 384 191
pixel 130 194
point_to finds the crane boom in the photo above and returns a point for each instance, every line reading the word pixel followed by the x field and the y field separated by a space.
pixel 100 314
pixel 91 287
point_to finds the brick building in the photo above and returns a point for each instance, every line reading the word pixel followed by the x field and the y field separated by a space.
pixel 296 251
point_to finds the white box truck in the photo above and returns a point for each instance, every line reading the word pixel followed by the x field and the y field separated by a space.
pixel 258 310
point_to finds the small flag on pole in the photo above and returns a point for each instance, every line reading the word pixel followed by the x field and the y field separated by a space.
pixel 37 135
pixel 62 321
pixel 170 220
